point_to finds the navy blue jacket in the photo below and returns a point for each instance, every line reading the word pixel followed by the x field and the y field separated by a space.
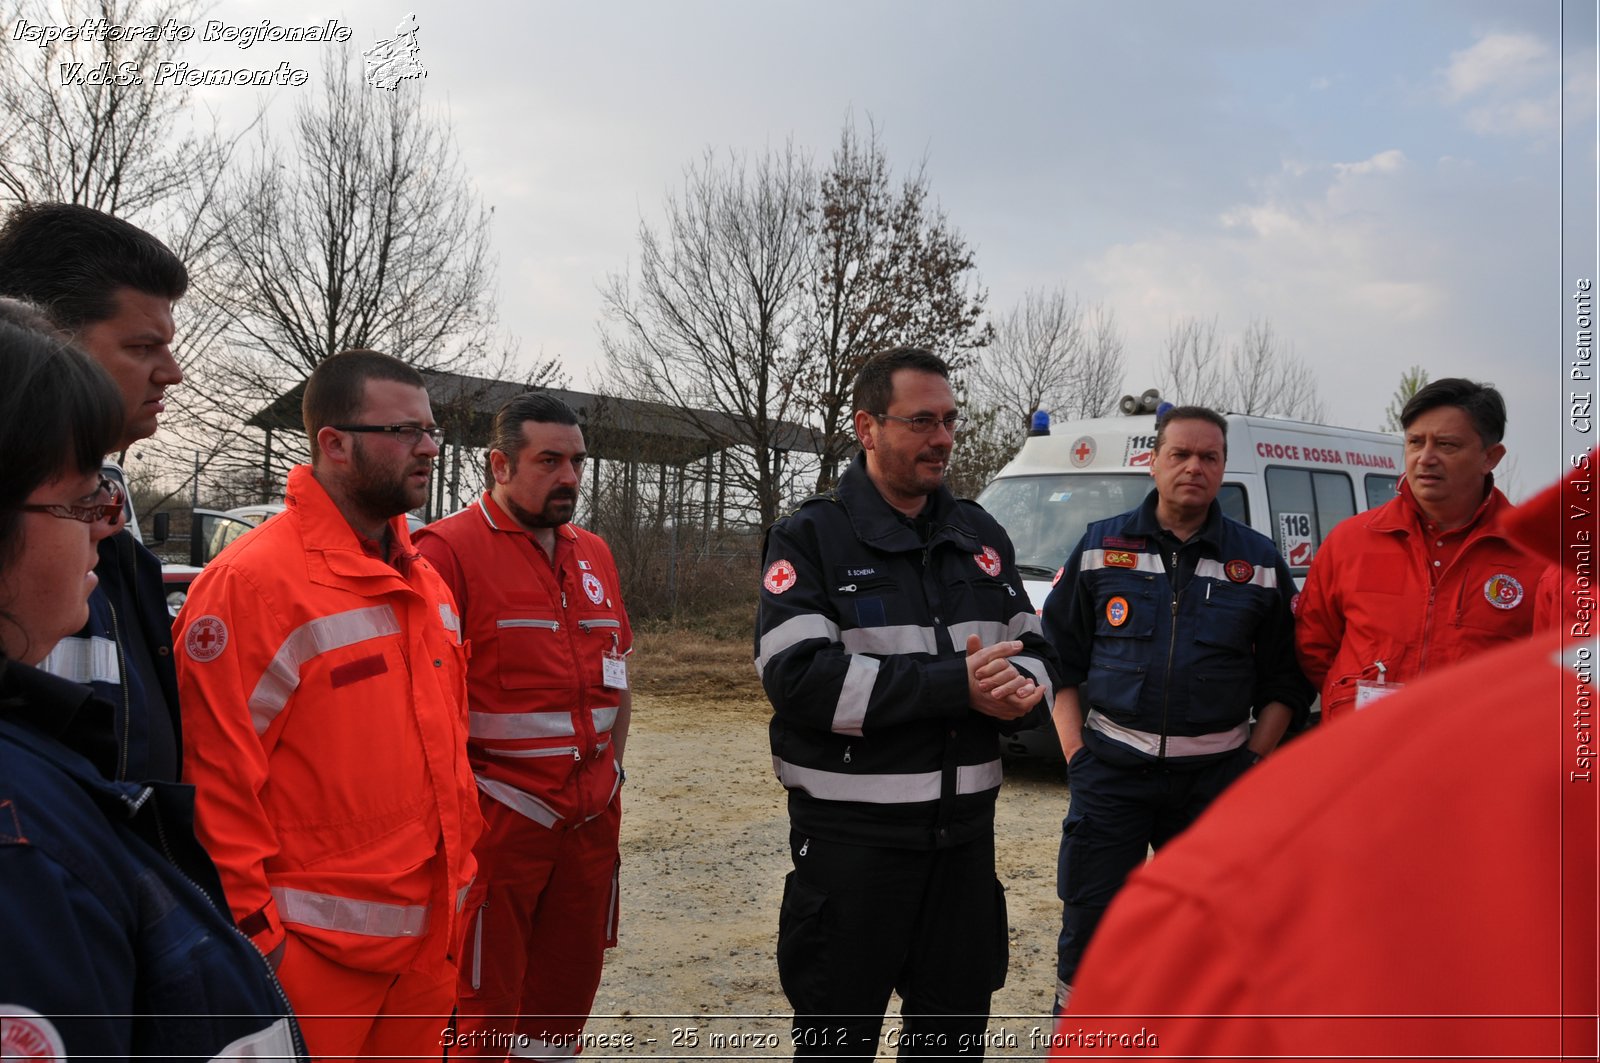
pixel 112 916
pixel 1173 674
pixel 124 654
pixel 861 645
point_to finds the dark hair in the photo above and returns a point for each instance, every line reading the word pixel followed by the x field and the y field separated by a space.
pixel 1480 402
pixel 1190 413
pixel 59 412
pixel 875 381
pixel 337 387
pixel 506 433
pixel 71 259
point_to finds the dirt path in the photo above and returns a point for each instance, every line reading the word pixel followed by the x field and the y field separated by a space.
pixel 704 835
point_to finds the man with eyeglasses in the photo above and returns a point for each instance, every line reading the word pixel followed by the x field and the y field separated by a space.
pixel 895 642
pixel 111 286
pixel 325 725
pixel 1173 623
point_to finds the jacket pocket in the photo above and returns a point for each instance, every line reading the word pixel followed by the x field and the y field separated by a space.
pixel 802 944
pixel 530 650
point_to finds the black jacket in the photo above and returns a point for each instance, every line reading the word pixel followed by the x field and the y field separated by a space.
pixel 1170 669
pixel 860 642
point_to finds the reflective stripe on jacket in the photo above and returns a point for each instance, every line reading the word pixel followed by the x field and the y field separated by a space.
pixel 540 727
pixel 1368 598
pixel 324 694
pixel 861 645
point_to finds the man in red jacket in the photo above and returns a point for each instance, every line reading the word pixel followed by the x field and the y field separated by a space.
pixel 1427 579
pixel 542 607
pixel 1418 882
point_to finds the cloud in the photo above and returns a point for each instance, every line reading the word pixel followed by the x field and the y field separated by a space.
pixel 1505 81
pixel 1383 162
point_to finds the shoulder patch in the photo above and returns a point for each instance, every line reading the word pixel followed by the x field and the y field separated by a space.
pixel 989 560
pixel 27 1036
pixel 206 638
pixel 1503 591
pixel 780 576
pixel 1239 571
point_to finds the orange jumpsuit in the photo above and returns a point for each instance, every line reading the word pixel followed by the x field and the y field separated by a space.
pixel 544 909
pixel 324 712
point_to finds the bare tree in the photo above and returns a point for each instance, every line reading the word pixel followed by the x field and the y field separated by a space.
pixel 1412 381
pixel 1257 375
pixel 888 270
pixel 359 228
pixel 1049 353
pixel 713 321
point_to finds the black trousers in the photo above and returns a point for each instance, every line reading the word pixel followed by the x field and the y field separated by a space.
pixel 860 921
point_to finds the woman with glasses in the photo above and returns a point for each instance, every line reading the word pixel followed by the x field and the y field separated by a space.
pixel 116 939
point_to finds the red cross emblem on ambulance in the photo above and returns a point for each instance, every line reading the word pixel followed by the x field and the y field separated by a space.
pixel 989 560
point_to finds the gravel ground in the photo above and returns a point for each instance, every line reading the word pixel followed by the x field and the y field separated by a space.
pixel 704 836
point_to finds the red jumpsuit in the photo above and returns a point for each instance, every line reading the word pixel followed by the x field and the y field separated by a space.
pixel 1369 597
pixel 324 730
pixel 544 907
pixel 1442 905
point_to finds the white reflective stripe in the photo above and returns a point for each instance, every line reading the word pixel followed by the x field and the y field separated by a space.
pixel 989 632
pixel 521 803
pixel 327 911
pixel 1177 745
pixel 1262 576
pixel 501 726
pixel 485 511
pixel 855 694
pixel 275 1042
pixel 525 1047
pixel 1024 623
pixel 611 913
pixel 461 894
pixel 605 718
pixel 890 639
pixel 1041 675
pixel 452 622
pixel 887 789
pixel 549 625
pixel 1142 562
pixel 793 631
pixel 335 631
pixel 1579 659
pixel 84 660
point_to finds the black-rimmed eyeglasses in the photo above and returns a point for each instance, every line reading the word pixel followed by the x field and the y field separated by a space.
pixel 925 424
pixel 92 513
pixel 409 434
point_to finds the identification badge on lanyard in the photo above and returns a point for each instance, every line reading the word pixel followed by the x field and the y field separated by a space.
pixel 614 667
pixel 1370 690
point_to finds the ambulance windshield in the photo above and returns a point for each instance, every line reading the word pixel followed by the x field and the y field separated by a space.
pixel 1045 516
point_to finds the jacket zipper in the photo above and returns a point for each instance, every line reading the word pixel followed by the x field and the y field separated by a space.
pixel 301 1052
pixel 127 705
pixel 1166 687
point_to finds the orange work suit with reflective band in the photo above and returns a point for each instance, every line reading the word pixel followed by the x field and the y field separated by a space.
pixel 544 908
pixel 1369 598
pixel 324 701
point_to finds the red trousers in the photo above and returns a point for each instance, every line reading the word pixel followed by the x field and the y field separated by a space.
pixel 542 913
pixel 344 1012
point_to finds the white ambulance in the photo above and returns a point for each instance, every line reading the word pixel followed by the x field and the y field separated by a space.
pixel 1290 480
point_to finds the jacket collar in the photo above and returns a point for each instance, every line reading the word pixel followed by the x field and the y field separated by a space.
pixel 880 525
pixel 333 548
pixel 1145 522
pixel 501 521
pixel 1405 516
pixel 60 709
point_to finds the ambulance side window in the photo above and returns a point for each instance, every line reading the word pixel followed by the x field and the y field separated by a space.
pixel 1234 503
pixel 1305 506
pixel 1380 489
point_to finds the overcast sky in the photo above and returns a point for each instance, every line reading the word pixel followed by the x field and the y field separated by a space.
pixel 1380 179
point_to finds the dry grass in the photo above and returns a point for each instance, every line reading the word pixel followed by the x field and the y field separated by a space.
pixel 710 658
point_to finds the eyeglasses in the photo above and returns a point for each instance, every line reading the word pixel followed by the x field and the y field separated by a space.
pixel 925 424
pixel 409 434
pixel 110 509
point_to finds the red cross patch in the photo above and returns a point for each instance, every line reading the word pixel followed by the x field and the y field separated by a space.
pixel 206 638
pixel 989 560
pixel 26 1036
pixel 592 587
pixel 779 578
